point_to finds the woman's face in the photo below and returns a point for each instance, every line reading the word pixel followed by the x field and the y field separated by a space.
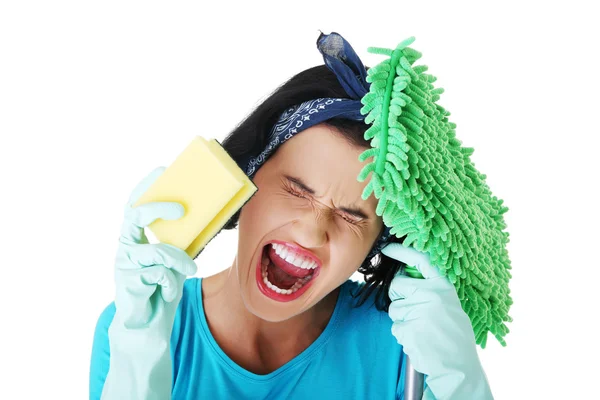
pixel 310 227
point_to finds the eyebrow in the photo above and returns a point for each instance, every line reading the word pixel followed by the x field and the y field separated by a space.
pixel 357 212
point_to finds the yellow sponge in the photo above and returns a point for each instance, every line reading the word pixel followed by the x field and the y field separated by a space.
pixel 210 186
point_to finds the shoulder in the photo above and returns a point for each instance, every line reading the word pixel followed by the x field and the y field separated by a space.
pixel 190 297
pixel 368 329
pixel 188 311
pixel 99 361
pixel 105 318
pixel 191 289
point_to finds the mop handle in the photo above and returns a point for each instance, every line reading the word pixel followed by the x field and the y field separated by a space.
pixel 413 383
pixel 413 380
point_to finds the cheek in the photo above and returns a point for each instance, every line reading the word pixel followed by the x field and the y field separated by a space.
pixel 345 265
pixel 267 210
pixel 351 250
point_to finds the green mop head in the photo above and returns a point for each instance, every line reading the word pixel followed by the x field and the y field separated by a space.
pixel 430 191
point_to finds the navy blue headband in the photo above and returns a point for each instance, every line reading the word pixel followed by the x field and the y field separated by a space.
pixel 342 60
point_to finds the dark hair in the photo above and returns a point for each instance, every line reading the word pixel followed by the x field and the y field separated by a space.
pixel 250 137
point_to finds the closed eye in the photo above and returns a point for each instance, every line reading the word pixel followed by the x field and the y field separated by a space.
pixel 297 193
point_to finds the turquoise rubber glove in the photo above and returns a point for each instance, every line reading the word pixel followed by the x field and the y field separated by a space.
pixel 149 282
pixel 435 332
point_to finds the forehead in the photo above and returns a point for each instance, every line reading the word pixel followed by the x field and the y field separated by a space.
pixel 321 144
pixel 327 162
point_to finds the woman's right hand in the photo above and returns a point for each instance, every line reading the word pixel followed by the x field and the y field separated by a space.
pixel 149 277
pixel 149 282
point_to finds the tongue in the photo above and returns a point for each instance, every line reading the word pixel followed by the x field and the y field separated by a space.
pixel 279 277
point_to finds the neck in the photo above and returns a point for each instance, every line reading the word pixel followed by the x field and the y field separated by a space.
pixel 229 319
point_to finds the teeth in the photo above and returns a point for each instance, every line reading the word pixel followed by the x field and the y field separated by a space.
pixel 299 283
pixel 293 258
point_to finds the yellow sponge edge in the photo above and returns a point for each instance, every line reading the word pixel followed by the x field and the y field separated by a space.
pixel 210 186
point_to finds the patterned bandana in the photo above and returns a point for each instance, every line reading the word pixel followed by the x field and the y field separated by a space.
pixel 341 59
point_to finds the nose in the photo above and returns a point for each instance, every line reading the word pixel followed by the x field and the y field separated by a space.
pixel 311 229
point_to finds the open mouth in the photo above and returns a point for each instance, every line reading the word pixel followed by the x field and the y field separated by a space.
pixel 284 280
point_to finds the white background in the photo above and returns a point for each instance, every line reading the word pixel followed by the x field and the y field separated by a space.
pixel 95 95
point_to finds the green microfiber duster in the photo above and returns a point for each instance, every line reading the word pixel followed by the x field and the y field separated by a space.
pixel 430 191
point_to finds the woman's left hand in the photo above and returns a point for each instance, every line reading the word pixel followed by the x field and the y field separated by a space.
pixel 435 332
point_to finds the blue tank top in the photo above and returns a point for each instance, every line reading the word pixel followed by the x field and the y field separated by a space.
pixel 355 357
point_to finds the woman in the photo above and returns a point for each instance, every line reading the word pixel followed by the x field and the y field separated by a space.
pixel 284 320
